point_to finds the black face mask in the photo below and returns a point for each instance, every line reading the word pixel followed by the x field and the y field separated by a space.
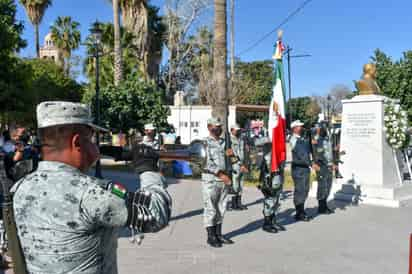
pixel 217 131
pixel 323 132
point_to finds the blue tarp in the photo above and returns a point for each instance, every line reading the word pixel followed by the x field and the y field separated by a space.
pixel 181 168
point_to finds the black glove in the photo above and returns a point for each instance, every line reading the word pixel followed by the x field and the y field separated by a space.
pixel 138 204
pixel 145 159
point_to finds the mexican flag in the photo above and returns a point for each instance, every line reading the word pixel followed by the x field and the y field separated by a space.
pixel 277 118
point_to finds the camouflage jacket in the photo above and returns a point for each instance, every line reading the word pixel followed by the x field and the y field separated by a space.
pixel 215 156
pixel 322 151
pixel 238 147
pixel 67 221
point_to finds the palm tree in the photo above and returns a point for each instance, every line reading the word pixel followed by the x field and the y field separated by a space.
pixel 220 58
pixel 35 10
pixel 66 36
pixel 135 18
pixel 118 66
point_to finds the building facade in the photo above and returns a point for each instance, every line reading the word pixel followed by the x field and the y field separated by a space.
pixel 50 51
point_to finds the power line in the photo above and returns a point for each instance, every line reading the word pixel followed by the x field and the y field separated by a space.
pixel 287 19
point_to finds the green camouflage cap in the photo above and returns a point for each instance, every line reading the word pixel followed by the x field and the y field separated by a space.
pixel 214 121
pixel 56 113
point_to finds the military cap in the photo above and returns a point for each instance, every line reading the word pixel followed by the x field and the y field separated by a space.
pixel 296 123
pixel 214 121
pixel 149 127
pixel 235 126
pixel 57 113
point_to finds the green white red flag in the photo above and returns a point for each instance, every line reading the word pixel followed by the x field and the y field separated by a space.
pixel 277 117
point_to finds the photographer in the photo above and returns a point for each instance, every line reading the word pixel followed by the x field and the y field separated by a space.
pixel 20 158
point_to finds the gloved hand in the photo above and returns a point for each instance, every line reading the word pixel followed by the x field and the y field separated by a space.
pixel 145 159
pixel 138 204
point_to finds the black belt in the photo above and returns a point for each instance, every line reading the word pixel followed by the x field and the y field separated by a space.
pixel 299 165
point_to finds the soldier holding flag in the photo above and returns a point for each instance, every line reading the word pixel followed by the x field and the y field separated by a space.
pixel 274 149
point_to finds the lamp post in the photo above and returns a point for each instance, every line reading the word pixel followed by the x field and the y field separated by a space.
pixel 329 99
pixel 288 50
pixel 96 35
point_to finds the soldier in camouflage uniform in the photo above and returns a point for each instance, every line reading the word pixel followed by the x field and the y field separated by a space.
pixel 301 163
pixel 239 168
pixel 271 187
pixel 149 139
pixel 68 221
pixel 322 157
pixel 215 185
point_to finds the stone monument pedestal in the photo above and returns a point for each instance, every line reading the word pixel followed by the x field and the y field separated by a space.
pixel 370 168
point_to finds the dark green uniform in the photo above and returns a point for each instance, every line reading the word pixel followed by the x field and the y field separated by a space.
pixel 301 163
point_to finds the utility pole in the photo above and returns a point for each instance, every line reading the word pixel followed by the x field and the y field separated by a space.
pixel 232 39
pixel 289 56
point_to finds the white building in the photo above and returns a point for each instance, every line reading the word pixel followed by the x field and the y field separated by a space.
pixel 190 122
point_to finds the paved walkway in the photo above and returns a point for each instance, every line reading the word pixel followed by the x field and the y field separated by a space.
pixel 357 239
pixel 362 240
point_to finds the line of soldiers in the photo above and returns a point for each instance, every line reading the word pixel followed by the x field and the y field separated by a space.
pixel 316 154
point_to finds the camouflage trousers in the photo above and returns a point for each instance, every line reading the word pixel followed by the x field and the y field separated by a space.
pixel 301 179
pixel 271 204
pixel 215 198
pixel 237 181
pixel 324 177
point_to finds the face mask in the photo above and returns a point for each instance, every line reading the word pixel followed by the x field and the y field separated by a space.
pixel 323 132
pixel 217 131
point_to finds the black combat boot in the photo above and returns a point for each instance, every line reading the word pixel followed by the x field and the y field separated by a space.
pixel 211 237
pixel 338 175
pixel 240 206
pixel 301 214
pixel 233 203
pixel 268 225
pixel 276 224
pixel 323 207
pixel 220 237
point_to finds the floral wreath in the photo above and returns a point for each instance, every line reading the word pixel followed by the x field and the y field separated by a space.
pixel 396 124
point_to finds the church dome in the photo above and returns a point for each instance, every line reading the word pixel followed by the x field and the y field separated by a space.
pixel 48 41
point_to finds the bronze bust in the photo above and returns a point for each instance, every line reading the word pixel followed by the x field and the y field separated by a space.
pixel 367 85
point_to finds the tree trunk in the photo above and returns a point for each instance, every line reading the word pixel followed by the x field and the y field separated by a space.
pixel 36 37
pixel 135 19
pixel 220 109
pixel 232 39
pixel 118 65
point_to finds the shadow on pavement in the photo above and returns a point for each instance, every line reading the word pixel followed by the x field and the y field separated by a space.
pixel 258 201
pixel 286 195
pixel 284 218
pixel 253 226
pixel 187 214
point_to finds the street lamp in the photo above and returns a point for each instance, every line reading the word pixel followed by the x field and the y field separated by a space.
pixel 329 98
pixel 288 50
pixel 96 38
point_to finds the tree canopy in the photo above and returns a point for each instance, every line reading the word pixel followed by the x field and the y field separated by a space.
pixel 130 105
pixel 395 77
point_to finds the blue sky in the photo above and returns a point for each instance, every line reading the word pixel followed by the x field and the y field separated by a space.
pixel 340 35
